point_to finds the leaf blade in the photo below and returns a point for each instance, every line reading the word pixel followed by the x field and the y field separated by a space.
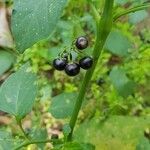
pixel 27 21
pixel 18 92
pixel 62 105
pixel 121 82
pixel 6 61
pixel 118 44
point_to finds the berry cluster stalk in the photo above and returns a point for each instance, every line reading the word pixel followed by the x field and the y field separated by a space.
pixel 103 29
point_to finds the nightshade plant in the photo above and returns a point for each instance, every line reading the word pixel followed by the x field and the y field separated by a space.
pixel 17 94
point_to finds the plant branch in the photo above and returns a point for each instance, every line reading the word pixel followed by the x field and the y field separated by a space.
pixel 21 128
pixel 131 10
pixel 103 30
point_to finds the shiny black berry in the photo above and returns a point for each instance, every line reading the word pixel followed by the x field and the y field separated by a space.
pixel 72 69
pixel 81 43
pixel 59 64
pixel 86 62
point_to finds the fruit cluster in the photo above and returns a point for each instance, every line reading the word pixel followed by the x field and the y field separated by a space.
pixel 72 68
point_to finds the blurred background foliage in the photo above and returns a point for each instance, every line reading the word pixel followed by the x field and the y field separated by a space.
pixel 120 84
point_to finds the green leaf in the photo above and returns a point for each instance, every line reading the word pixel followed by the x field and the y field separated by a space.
pixel 138 16
pixel 118 44
pixel 39 134
pixel 78 146
pixel 6 61
pixel 121 82
pixel 6 141
pixel 35 20
pixel 144 144
pixel 62 105
pixel 18 92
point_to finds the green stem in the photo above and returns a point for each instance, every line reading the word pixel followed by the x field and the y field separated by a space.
pixel 36 142
pixel 21 128
pixel 103 30
pixel 131 10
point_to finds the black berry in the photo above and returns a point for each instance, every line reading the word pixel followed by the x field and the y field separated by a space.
pixel 59 64
pixel 86 63
pixel 54 136
pixel 72 69
pixel 81 43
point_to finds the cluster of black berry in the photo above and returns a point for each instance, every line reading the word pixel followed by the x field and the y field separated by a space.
pixel 73 68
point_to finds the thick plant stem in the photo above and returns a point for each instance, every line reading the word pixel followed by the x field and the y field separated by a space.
pixel 103 30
